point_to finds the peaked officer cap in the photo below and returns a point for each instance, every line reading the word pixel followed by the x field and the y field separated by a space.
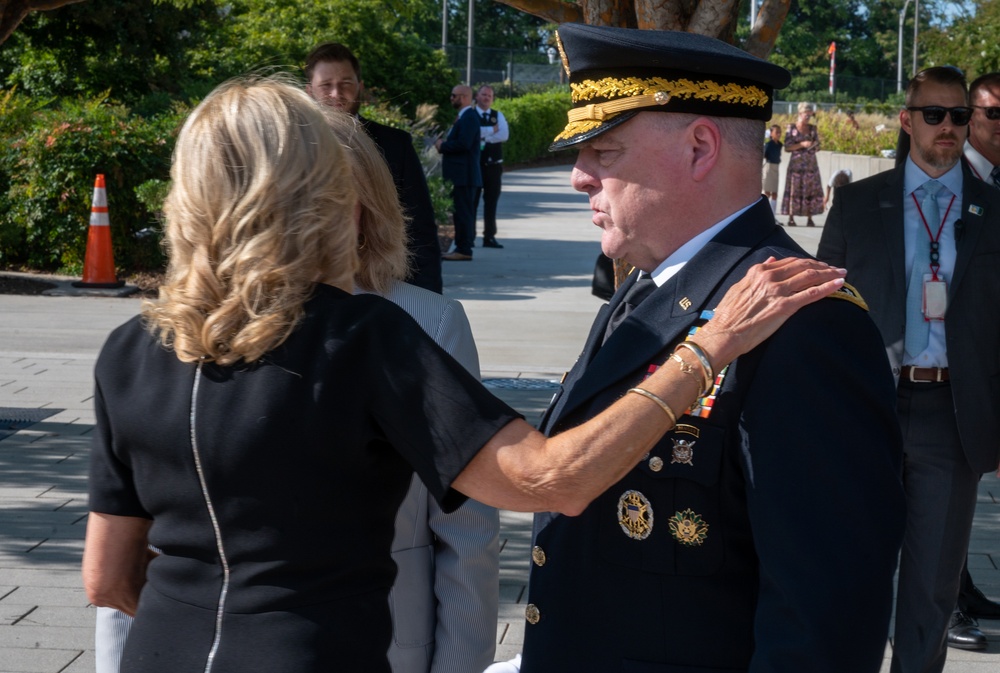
pixel 615 73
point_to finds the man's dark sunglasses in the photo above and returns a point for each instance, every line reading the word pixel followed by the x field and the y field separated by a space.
pixel 934 114
pixel 992 113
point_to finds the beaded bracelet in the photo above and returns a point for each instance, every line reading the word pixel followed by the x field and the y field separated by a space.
pixel 656 398
pixel 706 366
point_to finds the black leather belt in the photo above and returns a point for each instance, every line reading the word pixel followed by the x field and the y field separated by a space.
pixel 923 374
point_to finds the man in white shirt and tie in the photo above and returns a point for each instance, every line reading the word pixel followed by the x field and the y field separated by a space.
pixel 493 133
pixel 918 242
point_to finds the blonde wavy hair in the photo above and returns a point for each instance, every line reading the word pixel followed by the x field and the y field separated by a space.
pixel 261 208
pixel 382 238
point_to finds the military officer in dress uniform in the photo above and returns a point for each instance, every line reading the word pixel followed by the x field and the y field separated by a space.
pixel 761 533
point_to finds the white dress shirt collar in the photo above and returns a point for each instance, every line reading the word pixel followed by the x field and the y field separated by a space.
pixel 980 165
pixel 675 262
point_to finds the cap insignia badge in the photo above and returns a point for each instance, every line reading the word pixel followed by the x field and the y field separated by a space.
pixel 683 452
pixel 635 515
pixel 688 528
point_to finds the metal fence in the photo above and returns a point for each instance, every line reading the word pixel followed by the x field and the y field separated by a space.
pixel 514 68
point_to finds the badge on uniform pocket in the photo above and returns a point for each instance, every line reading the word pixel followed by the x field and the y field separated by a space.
pixel 635 515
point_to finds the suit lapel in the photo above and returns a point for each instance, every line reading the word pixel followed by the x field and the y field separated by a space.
pixel 890 203
pixel 665 316
pixel 973 217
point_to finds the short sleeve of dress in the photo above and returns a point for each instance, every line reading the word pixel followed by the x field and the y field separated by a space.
pixel 111 486
pixel 436 414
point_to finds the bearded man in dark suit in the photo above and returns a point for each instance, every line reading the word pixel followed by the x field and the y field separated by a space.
pixel 922 243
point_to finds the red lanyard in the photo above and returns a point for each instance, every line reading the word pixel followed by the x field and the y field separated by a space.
pixel 935 240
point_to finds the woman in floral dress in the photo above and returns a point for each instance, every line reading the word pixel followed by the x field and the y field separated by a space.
pixel 803 187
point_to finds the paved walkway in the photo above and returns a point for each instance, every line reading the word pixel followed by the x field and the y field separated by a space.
pixel 530 308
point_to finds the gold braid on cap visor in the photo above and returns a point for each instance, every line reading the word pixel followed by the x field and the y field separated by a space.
pixel 631 93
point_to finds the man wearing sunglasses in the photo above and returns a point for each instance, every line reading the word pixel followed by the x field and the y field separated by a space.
pixel 920 243
pixel 982 150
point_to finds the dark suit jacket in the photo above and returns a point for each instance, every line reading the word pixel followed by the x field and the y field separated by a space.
pixel 795 473
pixel 864 233
pixel 408 174
pixel 460 151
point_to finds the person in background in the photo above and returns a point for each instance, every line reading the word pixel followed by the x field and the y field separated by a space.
pixel 838 179
pixel 982 154
pixel 260 424
pixel 460 165
pixel 803 187
pixel 772 159
pixel 495 133
pixel 921 242
pixel 333 77
pixel 445 598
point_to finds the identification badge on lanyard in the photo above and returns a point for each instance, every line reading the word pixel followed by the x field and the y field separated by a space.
pixel 935 297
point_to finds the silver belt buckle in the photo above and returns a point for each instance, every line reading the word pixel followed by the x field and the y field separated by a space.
pixel 913 370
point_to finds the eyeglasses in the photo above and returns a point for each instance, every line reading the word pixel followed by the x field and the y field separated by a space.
pixel 992 113
pixel 934 114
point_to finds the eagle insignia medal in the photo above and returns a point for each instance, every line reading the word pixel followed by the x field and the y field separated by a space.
pixel 688 528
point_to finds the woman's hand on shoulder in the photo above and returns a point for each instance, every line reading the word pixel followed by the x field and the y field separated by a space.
pixel 755 307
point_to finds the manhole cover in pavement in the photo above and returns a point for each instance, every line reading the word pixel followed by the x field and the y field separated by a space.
pixel 521 384
pixel 13 419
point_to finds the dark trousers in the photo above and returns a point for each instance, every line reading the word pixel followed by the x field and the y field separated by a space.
pixel 940 503
pixel 492 174
pixel 465 218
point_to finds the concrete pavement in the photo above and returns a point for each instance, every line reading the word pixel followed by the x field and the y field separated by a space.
pixel 530 308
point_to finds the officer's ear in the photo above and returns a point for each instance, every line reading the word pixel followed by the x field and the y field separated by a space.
pixel 705 141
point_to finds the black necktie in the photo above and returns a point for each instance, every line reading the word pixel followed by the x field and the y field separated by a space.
pixel 995 175
pixel 639 291
pixel 486 117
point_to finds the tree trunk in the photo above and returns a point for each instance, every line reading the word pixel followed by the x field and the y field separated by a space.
pixel 12 12
pixel 716 18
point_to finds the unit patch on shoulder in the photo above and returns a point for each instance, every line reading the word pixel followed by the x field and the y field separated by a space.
pixel 850 293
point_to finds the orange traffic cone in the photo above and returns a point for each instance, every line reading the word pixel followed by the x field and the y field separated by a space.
pixel 99 263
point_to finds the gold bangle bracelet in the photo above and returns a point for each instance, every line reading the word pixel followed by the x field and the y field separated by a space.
pixel 688 368
pixel 656 398
pixel 702 356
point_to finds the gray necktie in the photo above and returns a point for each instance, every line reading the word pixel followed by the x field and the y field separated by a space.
pixel 641 289
pixel 918 329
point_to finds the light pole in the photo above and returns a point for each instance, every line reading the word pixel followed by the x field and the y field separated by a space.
pixel 444 26
pixel 468 58
pixel 899 59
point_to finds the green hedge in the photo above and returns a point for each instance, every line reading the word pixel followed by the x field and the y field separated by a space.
pixel 48 163
pixel 534 120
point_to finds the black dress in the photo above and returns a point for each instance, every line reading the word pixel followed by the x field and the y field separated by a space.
pixel 273 487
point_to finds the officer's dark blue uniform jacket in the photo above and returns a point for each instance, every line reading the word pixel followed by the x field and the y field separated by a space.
pixel 787 514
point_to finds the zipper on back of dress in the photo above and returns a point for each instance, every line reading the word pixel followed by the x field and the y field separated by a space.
pixel 221 608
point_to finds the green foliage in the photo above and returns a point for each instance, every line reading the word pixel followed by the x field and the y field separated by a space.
pixel 48 165
pixel 397 66
pixel 440 198
pixel 136 49
pixel 534 120
pixel 970 42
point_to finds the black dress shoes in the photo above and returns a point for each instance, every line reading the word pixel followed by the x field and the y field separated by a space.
pixel 964 633
pixel 975 604
pixel 491 243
